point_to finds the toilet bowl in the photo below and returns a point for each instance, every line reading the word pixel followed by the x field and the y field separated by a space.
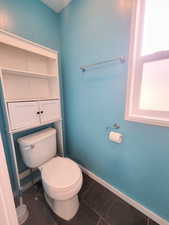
pixel 61 177
pixel 62 180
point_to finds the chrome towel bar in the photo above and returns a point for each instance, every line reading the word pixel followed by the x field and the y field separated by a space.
pixel 122 59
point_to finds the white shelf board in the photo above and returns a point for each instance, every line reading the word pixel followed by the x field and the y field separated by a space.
pixel 27 45
pixel 27 73
pixel 30 100
pixel 29 128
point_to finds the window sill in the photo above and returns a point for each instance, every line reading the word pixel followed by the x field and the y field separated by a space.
pixel 147 120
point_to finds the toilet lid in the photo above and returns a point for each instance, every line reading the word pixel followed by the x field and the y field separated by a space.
pixel 60 173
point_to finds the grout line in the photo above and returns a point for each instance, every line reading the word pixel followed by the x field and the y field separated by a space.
pixel 103 219
pixel 96 212
pixel 148 221
pixel 88 205
pixel 88 189
pixel 98 221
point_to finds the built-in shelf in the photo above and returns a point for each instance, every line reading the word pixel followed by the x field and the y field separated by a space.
pixel 30 100
pixel 27 73
pixel 29 76
pixel 32 127
pixel 29 86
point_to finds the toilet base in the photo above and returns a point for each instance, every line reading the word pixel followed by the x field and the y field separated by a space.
pixel 65 209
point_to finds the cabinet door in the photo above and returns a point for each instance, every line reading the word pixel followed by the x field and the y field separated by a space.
pixel 23 114
pixel 50 111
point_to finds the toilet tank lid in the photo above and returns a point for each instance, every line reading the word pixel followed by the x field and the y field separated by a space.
pixel 36 137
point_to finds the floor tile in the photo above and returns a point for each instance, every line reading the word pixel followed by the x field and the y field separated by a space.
pixel 151 222
pixel 84 216
pixel 87 183
pixel 98 206
pixel 34 192
pixel 99 199
pixel 121 213
pixel 39 212
pixel 102 222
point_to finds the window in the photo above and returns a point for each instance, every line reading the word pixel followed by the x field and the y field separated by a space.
pixel 148 83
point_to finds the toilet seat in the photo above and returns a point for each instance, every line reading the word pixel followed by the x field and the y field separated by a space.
pixel 62 174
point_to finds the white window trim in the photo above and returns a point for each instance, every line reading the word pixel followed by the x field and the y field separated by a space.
pixel 131 112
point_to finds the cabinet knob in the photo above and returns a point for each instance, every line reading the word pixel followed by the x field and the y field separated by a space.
pixel 41 112
pixel 38 113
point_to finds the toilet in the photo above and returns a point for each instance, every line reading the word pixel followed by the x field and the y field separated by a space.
pixel 61 177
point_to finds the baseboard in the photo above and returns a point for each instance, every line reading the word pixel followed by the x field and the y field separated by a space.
pixel 30 184
pixel 26 173
pixel 129 200
pixel 26 186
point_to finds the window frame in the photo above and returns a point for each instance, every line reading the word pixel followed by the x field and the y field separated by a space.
pixel 132 112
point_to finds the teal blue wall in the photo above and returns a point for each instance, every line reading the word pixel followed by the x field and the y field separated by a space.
pixel 94 30
pixel 34 21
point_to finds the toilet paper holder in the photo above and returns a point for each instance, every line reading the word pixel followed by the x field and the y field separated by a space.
pixel 114 136
pixel 115 126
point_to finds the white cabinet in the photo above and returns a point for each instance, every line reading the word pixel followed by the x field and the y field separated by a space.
pixel 49 110
pixel 24 115
pixel 29 78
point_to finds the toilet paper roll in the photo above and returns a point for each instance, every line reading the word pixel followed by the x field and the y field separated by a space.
pixel 115 137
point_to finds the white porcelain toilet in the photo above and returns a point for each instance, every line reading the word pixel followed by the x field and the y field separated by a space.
pixel 61 177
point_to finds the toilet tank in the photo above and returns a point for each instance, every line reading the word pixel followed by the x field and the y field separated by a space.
pixel 39 147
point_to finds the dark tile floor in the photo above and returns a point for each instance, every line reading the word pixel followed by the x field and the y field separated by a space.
pixel 98 206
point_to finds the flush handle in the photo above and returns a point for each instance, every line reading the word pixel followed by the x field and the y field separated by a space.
pixel 29 147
